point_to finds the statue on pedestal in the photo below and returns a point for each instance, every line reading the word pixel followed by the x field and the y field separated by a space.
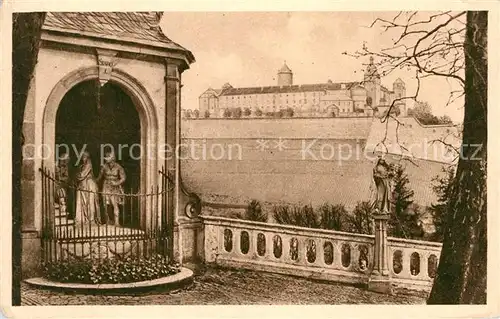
pixel 382 175
pixel 113 176
pixel 87 198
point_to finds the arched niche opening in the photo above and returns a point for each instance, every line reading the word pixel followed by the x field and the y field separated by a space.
pixel 97 120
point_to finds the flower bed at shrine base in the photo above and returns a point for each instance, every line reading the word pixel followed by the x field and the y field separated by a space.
pixel 315 253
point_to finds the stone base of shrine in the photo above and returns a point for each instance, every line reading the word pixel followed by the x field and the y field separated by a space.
pixel 179 280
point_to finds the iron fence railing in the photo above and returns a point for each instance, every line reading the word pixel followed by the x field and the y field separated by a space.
pixel 143 229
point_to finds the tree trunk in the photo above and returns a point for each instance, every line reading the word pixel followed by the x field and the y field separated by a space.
pixel 461 275
pixel 26 30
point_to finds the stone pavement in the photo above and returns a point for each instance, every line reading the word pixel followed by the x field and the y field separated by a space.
pixel 234 287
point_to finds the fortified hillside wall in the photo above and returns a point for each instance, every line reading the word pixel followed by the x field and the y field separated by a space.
pixel 290 160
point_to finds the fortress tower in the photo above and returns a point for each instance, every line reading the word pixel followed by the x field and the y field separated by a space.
pixel 372 83
pixel 285 75
pixel 399 89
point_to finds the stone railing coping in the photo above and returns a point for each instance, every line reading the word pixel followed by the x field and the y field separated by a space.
pixel 288 229
pixel 402 242
pixel 297 230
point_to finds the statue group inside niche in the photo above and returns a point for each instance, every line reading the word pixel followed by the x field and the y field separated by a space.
pixel 86 188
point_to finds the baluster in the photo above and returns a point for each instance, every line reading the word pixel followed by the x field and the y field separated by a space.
pixel 424 259
pixel 371 254
pixel 220 231
pixel 337 254
pixel 354 264
pixel 285 246
pixel 390 259
pixel 236 242
pixel 302 250
pixel 252 244
pixel 269 246
pixel 406 272
pixel 320 252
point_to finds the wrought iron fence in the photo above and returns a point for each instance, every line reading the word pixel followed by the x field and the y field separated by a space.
pixel 143 227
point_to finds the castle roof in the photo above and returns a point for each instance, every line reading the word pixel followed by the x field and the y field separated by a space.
pixel 288 88
pixel 135 27
pixel 285 69
pixel 383 88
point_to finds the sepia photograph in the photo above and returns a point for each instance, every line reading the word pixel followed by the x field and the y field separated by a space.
pixel 249 158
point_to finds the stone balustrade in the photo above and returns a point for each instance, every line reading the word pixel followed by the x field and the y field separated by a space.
pixel 413 263
pixel 313 253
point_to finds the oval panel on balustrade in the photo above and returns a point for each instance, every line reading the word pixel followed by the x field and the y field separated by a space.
pixel 244 242
pixel 328 252
pixel 228 240
pixel 277 246
pixel 261 244
pixel 346 255
pixel 310 251
pixel 363 257
pixel 414 264
pixel 397 261
pixel 432 266
pixel 294 249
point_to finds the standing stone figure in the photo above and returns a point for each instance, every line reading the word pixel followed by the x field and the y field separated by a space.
pixel 87 199
pixel 113 176
pixel 382 175
pixel 62 178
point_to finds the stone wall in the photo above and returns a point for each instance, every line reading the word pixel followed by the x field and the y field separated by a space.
pixel 292 160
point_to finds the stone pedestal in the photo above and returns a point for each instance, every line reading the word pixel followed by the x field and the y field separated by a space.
pixel 380 280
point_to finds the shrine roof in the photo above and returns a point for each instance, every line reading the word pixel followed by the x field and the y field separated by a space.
pixel 137 27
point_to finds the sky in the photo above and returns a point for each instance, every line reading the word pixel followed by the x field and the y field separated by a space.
pixel 246 49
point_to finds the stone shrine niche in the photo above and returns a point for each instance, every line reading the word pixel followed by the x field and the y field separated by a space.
pixel 97 120
pixel 94 87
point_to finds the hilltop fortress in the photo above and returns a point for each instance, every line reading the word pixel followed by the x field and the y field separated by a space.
pixel 348 99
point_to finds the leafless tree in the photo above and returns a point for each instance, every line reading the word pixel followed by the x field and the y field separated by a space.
pixel 452 45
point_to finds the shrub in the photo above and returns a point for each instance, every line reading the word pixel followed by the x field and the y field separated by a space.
pixel 303 216
pixel 332 216
pixel 196 114
pixel 258 112
pixel 443 187
pixel 247 111
pixel 405 217
pixel 227 113
pixel 91 271
pixel 360 221
pixel 207 114
pixel 254 212
pixel 237 112
pixel 288 112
